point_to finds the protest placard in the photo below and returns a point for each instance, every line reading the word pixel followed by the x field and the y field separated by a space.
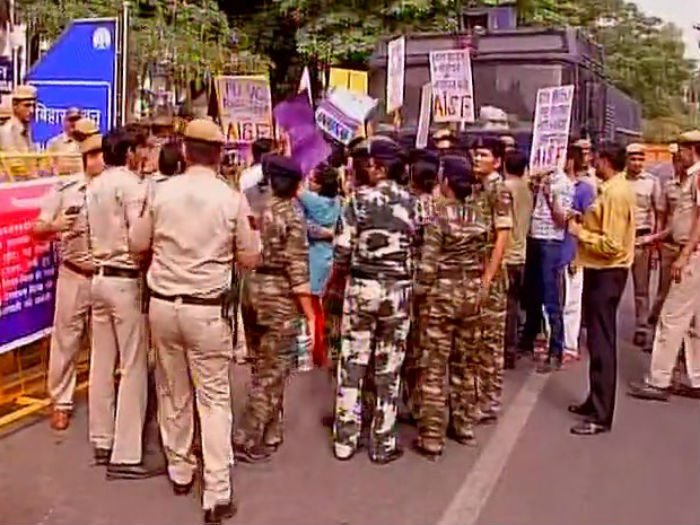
pixel 245 107
pixel 28 268
pixel 342 114
pixel 395 74
pixel 452 86
pixel 426 95
pixel 355 81
pixel 551 128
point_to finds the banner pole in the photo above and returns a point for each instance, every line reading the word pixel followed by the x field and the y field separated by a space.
pixel 125 60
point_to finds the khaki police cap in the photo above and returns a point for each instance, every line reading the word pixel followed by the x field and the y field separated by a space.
pixel 690 137
pixel 636 149
pixel 24 92
pixel 582 144
pixel 205 130
pixel 90 144
pixel 86 127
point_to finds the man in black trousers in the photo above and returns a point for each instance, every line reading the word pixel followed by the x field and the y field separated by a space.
pixel 606 250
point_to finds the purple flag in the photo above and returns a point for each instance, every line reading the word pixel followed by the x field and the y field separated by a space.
pixel 296 117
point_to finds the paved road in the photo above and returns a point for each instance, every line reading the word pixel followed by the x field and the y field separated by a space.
pixel 526 470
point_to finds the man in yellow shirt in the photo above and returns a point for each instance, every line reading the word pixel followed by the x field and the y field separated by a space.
pixel 606 236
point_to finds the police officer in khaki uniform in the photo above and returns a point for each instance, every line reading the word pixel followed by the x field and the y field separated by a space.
pixel 63 213
pixel 84 128
pixel 65 146
pixel 196 227
pixel 115 200
pixel 15 134
pixel 682 305
pixel 647 190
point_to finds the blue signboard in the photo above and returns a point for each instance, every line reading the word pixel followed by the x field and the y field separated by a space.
pixel 79 70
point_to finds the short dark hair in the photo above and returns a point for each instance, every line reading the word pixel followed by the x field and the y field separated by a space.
pixel 424 175
pixel 615 154
pixel 326 177
pixel 515 163
pixel 118 142
pixel 395 169
pixel 360 168
pixel 260 147
pixel 493 144
pixel 198 152
pixel 170 159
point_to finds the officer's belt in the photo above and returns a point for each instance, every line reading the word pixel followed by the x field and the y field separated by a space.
pixel 458 273
pixel 279 272
pixel 188 299
pixel 125 273
pixel 379 276
pixel 77 269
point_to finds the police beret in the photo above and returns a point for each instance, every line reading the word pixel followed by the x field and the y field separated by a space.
pixel 91 143
pixel 85 127
pixel 24 92
pixel 456 167
pixel 636 149
pixel 425 156
pixel 274 165
pixel 690 137
pixel 384 148
pixel 204 130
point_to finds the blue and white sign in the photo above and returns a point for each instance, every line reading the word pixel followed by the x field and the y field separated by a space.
pixel 79 70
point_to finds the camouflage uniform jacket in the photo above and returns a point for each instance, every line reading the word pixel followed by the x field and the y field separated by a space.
pixel 378 233
pixel 285 249
pixel 462 236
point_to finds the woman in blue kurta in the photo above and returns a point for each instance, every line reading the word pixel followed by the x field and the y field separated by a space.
pixel 321 204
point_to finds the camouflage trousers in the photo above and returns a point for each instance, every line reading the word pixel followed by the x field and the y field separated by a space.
pixel 375 327
pixel 492 324
pixel 460 353
pixel 411 365
pixel 271 321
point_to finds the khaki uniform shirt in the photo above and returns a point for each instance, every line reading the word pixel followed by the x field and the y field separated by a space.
pixel 192 226
pixel 607 237
pixel 68 158
pixel 115 200
pixel 523 203
pixel 679 203
pixel 16 137
pixel 647 191
pixel 74 242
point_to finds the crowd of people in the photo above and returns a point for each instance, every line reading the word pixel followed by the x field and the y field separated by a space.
pixel 421 276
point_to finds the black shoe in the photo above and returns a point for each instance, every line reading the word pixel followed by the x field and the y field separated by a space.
pixel 589 428
pixel 252 455
pixel 182 489
pixel 220 512
pixel 687 391
pixel 582 410
pixel 551 364
pixel 432 455
pixel 392 456
pixel 102 456
pixel 138 471
pixel 465 439
pixel 647 392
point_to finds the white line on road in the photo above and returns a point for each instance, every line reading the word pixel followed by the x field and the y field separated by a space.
pixel 474 493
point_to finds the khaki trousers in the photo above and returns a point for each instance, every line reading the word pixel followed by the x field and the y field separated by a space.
pixel 118 332
pixel 194 351
pixel 71 318
pixel 640 275
pixel 678 323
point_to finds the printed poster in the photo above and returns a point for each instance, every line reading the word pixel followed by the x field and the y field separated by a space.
pixel 396 61
pixel 245 108
pixel 452 85
pixel 551 128
pixel 28 268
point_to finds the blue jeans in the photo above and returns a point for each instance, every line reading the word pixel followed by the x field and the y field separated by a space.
pixel 543 282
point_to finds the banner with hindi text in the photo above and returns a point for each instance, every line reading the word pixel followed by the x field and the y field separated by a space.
pixel 452 86
pixel 551 128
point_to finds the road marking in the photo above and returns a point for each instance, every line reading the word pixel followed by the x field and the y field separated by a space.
pixel 474 493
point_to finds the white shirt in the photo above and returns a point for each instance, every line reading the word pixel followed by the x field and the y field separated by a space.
pixel 250 177
pixel 542 225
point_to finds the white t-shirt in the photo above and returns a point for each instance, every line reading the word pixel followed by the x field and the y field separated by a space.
pixel 250 177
